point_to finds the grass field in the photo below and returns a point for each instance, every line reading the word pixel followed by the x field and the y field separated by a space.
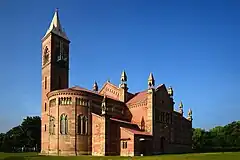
pixel 201 156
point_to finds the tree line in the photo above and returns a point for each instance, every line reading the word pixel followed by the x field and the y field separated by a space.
pixel 27 137
pixel 220 138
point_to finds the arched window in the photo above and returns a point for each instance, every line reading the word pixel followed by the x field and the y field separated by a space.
pixel 45 107
pixel 79 124
pixel 63 124
pixel 86 125
pixel 82 124
pixel 45 82
pixel 51 126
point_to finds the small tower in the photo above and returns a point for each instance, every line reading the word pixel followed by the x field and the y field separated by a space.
pixel 170 92
pixel 150 105
pixel 103 106
pixel 181 108
pixel 123 77
pixel 189 115
pixel 95 86
pixel 123 87
pixel 151 81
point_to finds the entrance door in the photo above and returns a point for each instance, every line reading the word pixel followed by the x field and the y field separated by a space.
pixel 143 148
pixel 162 142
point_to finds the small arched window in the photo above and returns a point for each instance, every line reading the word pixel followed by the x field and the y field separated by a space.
pixel 63 124
pixel 45 107
pixel 45 82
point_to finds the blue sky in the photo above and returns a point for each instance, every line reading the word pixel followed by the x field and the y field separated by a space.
pixel 191 45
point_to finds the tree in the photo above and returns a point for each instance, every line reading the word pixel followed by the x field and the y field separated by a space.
pixel 28 134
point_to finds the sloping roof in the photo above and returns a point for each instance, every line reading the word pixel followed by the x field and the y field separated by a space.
pixel 83 89
pixel 108 83
pixel 138 97
pixel 136 132
pixel 159 86
pixel 122 121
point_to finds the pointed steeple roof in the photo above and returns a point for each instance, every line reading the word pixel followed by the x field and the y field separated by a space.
pixel 181 104
pixel 95 86
pixel 151 81
pixel 124 76
pixel 55 27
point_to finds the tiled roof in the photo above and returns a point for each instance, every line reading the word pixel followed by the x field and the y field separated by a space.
pixel 138 97
pixel 82 89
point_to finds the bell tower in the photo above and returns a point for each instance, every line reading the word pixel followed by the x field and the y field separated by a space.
pixel 55 66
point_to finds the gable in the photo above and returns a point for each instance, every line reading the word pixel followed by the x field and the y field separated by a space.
pixel 163 100
pixel 110 90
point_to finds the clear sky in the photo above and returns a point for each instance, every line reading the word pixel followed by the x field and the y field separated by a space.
pixel 191 45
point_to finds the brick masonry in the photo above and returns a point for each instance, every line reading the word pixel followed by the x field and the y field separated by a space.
pixel 146 120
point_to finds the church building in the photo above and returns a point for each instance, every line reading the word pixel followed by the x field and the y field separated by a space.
pixel 109 120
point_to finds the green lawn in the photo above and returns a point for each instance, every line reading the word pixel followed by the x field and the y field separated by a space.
pixel 202 156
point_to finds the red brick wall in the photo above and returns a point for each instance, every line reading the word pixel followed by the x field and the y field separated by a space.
pixel 125 135
pixel 46 72
pixel 98 135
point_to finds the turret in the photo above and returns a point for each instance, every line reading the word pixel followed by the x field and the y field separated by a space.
pixel 150 104
pixel 123 87
pixel 95 86
pixel 151 81
pixel 181 108
pixel 170 92
pixel 189 115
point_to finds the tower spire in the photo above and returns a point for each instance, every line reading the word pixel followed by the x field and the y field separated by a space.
pixel 181 108
pixel 95 86
pixel 124 76
pixel 55 26
pixel 151 81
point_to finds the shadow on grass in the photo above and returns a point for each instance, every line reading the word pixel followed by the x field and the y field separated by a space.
pixel 14 158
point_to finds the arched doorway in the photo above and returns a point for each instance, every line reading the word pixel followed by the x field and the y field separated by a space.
pixel 162 142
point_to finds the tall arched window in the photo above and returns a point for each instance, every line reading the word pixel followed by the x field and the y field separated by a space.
pixel 52 126
pixel 86 125
pixel 82 124
pixel 79 124
pixel 45 107
pixel 63 124
pixel 45 82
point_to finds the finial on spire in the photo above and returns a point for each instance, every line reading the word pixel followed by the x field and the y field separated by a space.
pixel 180 104
pixel 56 9
pixel 189 114
pixel 181 108
pixel 95 86
pixel 124 76
pixel 151 81
pixel 170 91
